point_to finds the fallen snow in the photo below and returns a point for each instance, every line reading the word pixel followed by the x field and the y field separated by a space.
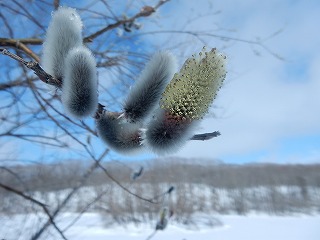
pixel 91 227
pixel 234 228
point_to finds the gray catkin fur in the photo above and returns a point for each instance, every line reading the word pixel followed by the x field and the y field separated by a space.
pixel 165 135
pixel 121 136
pixel 146 93
pixel 79 87
pixel 63 34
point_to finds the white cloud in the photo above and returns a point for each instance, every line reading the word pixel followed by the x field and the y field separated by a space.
pixel 265 100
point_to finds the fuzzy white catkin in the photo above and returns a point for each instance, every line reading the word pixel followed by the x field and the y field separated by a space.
pixel 121 136
pixel 166 135
pixel 79 87
pixel 146 93
pixel 63 33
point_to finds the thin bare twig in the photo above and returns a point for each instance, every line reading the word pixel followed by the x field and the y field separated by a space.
pixel 12 42
pixel 56 4
pixel 42 205
pixel 85 209
pixel 150 200
pixel 19 45
pixel 151 235
pixel 205 136
pixel 144 12
pixel 71 193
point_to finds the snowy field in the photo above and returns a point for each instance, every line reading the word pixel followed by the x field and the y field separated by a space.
pixel 90 227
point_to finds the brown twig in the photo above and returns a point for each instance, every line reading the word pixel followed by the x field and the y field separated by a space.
pixel 12 42
pixel 56 4
pixel 20 42
pixel 144 12
pixel 17 43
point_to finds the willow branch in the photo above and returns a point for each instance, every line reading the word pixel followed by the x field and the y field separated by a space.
pixel 35 66
pixel 48 79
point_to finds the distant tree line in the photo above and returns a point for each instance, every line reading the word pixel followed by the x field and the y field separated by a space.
pixel 212 188
pixel 63 175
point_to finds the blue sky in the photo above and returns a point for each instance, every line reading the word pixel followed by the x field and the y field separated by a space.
pixel 268 109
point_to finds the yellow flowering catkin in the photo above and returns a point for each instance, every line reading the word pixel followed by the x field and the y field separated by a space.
pixel 192 90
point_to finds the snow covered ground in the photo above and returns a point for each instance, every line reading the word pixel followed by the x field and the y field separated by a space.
pixel 90 227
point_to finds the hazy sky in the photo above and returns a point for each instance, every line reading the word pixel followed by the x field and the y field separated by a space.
pixel 269 107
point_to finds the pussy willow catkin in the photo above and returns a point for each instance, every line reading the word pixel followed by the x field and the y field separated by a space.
pixel 185 101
